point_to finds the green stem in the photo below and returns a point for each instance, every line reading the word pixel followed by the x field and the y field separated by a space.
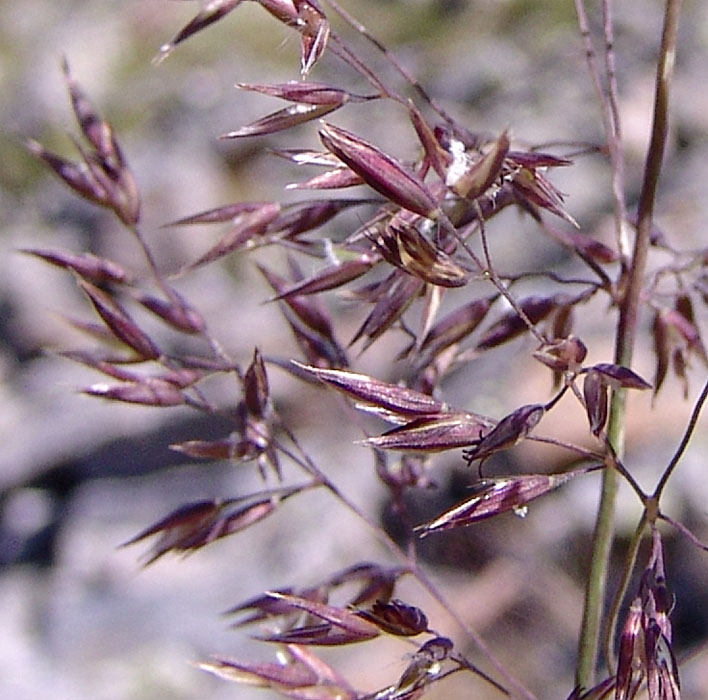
pixel 626 333
pixel 601 547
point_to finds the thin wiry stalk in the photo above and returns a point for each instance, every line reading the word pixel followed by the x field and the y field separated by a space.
pixel 616 464
pixel 684 531
pixel 695 414
pixel 605 281
pixel 610 114
pixel 626 333
pixel 502 287
pixel 466 665
pixel 150 259
pixel 491 273
pixel 391 58
pixel 199 402
pixel 412 564
pixel 614 140
pixel 581 452
pixel 341 49
pixel 519 690
pixel 554 277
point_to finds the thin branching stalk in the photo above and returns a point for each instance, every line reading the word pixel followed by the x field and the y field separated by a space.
pixel 681 449
pixel 607 96
pixel 487 269
pixel 391 57
pixel 413 566
pixel 496 281
pixel 684 531
pixel 615 136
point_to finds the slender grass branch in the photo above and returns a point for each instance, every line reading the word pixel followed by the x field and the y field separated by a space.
pixel 690 428
pixel 413 566
pixel 607 97
pixel 391 58
pixel 614 140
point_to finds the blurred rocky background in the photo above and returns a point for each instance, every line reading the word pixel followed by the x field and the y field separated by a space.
pixel 80 618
